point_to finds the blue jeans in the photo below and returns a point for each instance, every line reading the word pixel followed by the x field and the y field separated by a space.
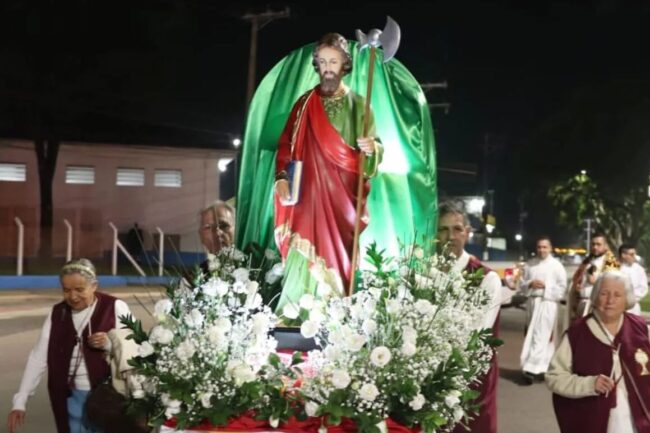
pixel 76 412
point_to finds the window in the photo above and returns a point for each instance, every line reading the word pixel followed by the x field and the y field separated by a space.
pixel 79 175
pixel 130 177
pixel 10 172
pixel 168 178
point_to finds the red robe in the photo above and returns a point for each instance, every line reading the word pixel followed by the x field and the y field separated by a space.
pixel 486 419
pixel 326 211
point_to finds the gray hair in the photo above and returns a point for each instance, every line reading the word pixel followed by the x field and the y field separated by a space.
pixel 216 205
pixel 81 266
pixel 449 208
pixel 630 299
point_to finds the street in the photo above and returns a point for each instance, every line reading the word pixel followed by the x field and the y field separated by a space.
pixel 522 409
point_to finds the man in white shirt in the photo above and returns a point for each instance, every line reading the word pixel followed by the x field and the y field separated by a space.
pixel 636 273
pixel 454 230
pixel 545 282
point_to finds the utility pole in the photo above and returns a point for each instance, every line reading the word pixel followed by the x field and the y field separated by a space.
pixel 588 230
pixel 258 21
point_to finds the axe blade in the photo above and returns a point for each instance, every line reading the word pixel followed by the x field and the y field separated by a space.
pixel 390 38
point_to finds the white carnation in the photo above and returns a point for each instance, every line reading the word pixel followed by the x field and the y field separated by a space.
pixel 161 335
pixel 211 287
pixel 308 329
pixel 241 274
pixel 417 402
pixel 145 349
pixel 162 308
pixel 194 319
pixel 408 349
pixel 340 379
pixel 458 413
pixel 424 307
pixel 368 392
pixel 355 342
pixel 452 399
pixel 252 287
pixel 380 356
pixel 332 353
pixel 185 350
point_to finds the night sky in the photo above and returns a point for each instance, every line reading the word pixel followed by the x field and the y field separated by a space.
pixel 560 86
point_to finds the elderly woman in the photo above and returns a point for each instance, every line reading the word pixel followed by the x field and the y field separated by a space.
pixel 599 374
pixel 73 347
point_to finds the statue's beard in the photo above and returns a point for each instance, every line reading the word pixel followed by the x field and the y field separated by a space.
pixel 329 83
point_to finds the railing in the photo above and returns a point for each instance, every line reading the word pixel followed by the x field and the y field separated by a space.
pixel 161 251
pixel 118 245
pixel 21 246
pixel 68 250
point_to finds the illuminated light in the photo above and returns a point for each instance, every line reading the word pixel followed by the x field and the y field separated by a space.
pixel 475 205
pixel 236 142
pixel 583 172
pixel 222 164
pixel 471 235
pixel 518 237
pixel 489 228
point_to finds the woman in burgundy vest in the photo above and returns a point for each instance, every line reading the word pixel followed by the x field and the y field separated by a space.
pixel 599 374
pixel 73 348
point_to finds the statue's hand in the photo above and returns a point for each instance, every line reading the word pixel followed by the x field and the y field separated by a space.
pixel 282 189
pixel 367 145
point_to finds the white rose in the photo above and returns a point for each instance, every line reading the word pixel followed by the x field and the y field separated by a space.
pixel 355 342
pixel 317 315
pixel 138 394
pixel 194 319
pixel 417 402
pixel 253 301
pixel 368 392
pixel 213 262
pixel 369 326
pixel 241 274
pixel 223 324
pixel 242 373
pixel 274 422
pixel 308 329
pixel 205 399
pixel 332 353
pixel 222 287
pixel 216 336
pixel 409 334
pixel 161 335
pixel 239 287
pixel 458 413
pixel 452 399
pixel 408 349
pixel 380 356
pixel 185 350
pixel 145 349
pixel 173 407
pixel 393 306
pixel 260 323
pixel 311 408
pixel 290 311
pixel 424 307
pixel 252 287
pixel 306 301
pixel 211 288
pixel 340 379
pixel 163 307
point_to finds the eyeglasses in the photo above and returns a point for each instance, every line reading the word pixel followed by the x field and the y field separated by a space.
pixel 222 226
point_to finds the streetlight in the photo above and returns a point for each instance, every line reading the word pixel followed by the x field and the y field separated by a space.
pixel 222 164
pixel 518 237
pixel 236 142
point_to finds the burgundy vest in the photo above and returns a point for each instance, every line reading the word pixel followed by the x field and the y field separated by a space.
pixel 486 419
pixel 59 353
pixel 591 357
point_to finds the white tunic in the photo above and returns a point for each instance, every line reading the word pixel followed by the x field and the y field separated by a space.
pixel 37 361
pixel 543 306
pixel 639 281
pixel 492 284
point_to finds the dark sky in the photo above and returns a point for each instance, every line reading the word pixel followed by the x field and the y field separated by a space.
pixel 175 71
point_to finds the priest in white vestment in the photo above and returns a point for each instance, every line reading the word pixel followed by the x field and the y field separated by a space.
pixel 545 282
pixel 636 273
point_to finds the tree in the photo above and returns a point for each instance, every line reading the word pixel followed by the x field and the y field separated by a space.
pixel 623 217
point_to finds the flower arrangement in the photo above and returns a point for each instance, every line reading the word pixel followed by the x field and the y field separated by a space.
pixel 207 357
pixel 404 348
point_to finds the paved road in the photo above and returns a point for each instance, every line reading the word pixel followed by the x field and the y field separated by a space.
pixel 522 409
